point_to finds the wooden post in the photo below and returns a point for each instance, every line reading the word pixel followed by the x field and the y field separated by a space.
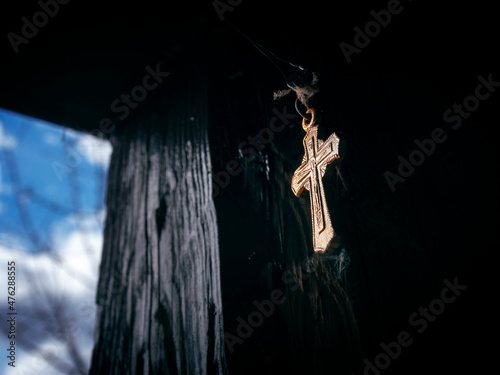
pixel 159 297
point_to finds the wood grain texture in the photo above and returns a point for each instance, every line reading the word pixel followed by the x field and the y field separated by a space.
pixel 159 298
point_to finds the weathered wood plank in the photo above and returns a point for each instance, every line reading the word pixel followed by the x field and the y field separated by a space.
pixel 163 313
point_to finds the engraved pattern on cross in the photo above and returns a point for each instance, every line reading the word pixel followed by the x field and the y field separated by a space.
pixel 317 156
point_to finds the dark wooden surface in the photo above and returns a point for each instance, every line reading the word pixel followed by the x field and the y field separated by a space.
pixel 163 313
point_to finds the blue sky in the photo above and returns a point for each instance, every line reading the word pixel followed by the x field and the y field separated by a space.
pixel 52 184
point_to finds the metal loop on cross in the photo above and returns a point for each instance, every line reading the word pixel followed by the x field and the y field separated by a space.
pixel 299 110
pixel 307 123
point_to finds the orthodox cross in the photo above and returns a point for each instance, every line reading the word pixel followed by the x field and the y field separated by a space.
pixel 317 156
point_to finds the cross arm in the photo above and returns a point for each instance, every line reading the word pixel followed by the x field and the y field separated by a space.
pixel 300 178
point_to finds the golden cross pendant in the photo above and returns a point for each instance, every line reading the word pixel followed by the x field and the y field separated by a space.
pixel 317 156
